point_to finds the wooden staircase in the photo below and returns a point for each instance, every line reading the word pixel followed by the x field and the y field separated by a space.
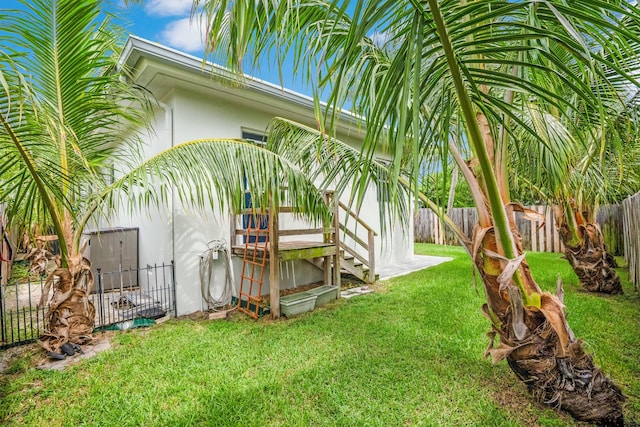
pixel 353 266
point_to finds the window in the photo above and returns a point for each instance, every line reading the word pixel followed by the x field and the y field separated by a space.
pixel 254 136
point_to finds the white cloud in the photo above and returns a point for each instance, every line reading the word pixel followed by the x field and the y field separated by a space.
pixel 184 34
pixel 379 39
pixel 168 7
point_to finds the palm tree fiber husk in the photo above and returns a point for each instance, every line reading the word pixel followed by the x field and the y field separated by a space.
pixel 71 315
pixel 572 383
pixel 546 356
pixel 590 260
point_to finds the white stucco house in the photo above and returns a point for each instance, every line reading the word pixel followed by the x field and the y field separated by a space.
pixel 196 101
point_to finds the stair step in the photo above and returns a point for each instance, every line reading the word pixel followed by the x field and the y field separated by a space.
pixel 350 265
pixel 356 267
pixel 351 259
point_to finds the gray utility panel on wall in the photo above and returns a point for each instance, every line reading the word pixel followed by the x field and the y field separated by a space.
pixel 115 252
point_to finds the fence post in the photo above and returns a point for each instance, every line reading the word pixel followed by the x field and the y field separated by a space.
pixel 100 299
pixel 175 294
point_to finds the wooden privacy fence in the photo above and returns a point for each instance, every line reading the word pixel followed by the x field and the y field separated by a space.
pixel 545 238
pixel 631 236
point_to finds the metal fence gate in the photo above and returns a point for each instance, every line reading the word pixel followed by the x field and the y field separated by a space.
pixel 118 296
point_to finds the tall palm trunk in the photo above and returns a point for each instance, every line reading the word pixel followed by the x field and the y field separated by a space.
pixel 586 252
pixel 533 333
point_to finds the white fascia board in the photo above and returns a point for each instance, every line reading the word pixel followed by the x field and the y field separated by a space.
pixel 137 48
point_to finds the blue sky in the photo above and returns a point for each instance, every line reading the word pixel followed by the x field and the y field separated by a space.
pixel 164 21
pixel 168 22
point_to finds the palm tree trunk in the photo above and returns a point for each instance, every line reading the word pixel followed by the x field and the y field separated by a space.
pixel 587 254
pixel 540 347
pixel 535 337
pixel 71 315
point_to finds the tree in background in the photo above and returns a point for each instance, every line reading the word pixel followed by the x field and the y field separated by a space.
pixel 599 165
pixel 437 187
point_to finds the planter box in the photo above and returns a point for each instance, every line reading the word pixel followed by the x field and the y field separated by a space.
pixel 325 293
pixel 293 305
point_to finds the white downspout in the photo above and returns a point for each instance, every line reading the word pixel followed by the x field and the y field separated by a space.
pixel 169 124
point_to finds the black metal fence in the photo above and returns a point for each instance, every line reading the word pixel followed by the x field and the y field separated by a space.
pixel 118 297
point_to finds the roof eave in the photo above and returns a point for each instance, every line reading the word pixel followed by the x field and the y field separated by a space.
pixel 137 47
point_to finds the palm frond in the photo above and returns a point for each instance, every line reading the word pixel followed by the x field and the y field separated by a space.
pixel 339 167
pixel 67 106
pixel 212 175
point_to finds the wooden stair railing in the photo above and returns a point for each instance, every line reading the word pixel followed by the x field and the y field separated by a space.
pixel 366 271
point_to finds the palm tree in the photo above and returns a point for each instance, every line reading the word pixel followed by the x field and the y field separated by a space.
pixel 598 165
pixel 595 174
pixel 70 152
pixel 413 68
pixel 608 174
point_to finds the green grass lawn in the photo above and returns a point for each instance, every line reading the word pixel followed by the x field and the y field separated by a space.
pixel 409 354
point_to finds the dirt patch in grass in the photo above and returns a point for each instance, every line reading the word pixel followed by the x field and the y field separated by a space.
pixel 16 360
pixel 98 345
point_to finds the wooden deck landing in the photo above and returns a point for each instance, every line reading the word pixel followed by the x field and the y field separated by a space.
pixel 288 251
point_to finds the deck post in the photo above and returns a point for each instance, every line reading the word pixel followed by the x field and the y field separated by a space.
pixel 336 240
pixel 330 273
pixel 372 256
pixel 274 265
pixel 326 237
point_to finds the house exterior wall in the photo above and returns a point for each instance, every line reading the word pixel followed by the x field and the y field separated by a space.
pixel 198 109
pixel 155 243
